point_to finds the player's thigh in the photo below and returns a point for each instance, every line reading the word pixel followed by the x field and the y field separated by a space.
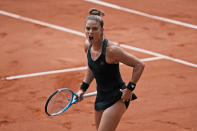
pixel 98 115
pixel 111 116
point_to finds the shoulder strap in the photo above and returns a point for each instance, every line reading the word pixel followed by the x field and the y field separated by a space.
pixel 88 53
pixel 105 41
pixel 89 47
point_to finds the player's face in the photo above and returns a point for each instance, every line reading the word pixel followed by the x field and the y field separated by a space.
pixel 93 31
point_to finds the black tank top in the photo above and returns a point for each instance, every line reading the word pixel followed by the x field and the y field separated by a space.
pixel 108 79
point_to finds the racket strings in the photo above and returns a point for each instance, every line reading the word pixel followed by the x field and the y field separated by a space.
pixel 59 101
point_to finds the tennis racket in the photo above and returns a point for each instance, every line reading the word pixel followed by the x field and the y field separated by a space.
pixel 60 100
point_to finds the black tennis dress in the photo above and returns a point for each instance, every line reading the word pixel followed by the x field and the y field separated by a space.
pixel 108 80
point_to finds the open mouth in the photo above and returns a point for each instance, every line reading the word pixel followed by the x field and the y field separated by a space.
pixel 91 37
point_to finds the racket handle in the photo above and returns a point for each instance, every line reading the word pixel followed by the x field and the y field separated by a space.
pixel 94 93
pixel 89 94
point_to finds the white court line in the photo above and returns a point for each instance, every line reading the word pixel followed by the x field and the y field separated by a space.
pixel 142 14
pixel 63 70
pixel 82 34
pixel 41 23
pixel 159 55
pixel 44 73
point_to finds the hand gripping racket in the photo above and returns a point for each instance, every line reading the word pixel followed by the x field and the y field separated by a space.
pixel 60 100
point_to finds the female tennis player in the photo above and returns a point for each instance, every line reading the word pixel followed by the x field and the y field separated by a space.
pixel 113 96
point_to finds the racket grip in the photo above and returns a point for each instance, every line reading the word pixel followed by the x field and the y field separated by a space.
pixel 134 97
pixel 89 94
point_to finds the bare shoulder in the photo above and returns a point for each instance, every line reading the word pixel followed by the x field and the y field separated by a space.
pixel 113 48
pixel 116 54
pixel 112 51
pixel 86 45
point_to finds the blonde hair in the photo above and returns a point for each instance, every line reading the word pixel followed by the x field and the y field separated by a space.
pixel 96 15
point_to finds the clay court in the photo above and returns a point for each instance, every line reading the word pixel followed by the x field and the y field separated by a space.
pixel 41 50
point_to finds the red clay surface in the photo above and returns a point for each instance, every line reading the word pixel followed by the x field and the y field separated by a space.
pixel 167 90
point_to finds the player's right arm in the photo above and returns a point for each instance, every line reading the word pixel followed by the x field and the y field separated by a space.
pixel 89 75
pixel 88 78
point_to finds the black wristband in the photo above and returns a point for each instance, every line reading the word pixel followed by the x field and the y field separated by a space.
pixel 84 86
pixel 131 86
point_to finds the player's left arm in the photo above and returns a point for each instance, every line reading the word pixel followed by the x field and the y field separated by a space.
pixel 117 54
